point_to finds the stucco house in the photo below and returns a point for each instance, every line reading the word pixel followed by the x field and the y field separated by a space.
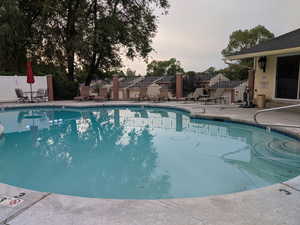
pixel 207 80
pixel 276 72
pixel 233 90
pixel 129 87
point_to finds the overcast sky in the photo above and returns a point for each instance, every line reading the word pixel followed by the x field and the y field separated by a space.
pixel 196 31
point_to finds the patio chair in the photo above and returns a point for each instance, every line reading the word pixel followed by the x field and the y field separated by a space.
pixel 84 94
pixel 20 95
pixel 103 95
pixel 198 93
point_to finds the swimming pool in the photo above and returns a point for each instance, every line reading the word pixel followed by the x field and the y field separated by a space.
pixel 139 153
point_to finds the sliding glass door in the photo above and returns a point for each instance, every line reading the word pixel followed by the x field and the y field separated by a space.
pixel 288 76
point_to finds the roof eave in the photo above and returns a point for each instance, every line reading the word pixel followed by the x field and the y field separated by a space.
pixel 265 53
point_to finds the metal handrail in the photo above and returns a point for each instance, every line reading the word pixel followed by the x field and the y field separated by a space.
pixel 275 109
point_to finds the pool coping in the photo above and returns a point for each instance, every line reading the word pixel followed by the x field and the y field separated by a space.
pixel 290 186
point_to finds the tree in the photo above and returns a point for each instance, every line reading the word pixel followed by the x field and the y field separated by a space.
pixel 163 68
pixel 243 39
pixel 235 72
pixel 130 73
pixel 78 35
pixel 191 73
pixel 115 26
pixel 19 33
pixel 211 70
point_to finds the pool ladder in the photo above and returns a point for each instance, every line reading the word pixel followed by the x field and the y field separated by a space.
pixel 269 125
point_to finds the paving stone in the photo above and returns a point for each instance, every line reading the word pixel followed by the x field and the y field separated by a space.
pixel 27 198
pixel 275 205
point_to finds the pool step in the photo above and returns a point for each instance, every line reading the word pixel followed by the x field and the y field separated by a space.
pixel 284 152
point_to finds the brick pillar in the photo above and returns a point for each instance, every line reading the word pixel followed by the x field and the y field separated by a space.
pixel 50 88
pixel 115 88
pixel 251 80
pixel 179 86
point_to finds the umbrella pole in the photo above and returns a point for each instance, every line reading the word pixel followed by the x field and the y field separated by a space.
pixel 31 92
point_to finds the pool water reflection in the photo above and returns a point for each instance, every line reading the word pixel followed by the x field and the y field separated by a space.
pixel 139 153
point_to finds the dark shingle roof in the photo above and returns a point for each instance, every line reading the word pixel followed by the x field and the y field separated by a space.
pixel 167 79
pixel 204 76
pixel 286 41
pixel 227 84
pixel 125 82
pixel 148 80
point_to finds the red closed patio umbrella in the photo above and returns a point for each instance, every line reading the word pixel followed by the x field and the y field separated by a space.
pixel 30 77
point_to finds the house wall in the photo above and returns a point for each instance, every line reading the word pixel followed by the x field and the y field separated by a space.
pixel 239 92
pixel 8 84
pixel 228 96
pixel 265 82
pixel 133 93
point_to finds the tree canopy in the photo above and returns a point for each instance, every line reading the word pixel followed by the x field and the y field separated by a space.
pixel 163 68
pixel 89 35
pixel 239 40
pixel 242 39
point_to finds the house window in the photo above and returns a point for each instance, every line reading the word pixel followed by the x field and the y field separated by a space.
pixel 288 76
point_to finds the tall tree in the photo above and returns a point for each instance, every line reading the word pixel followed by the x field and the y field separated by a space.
pixel 117 26
pixel 162 68
pixel 243 39
pixel 19 33
pixel 130 73
pixel 88 35
pixel 64 28
pixel 211 70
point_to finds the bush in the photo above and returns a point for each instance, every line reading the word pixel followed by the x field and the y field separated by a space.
pixel 64 89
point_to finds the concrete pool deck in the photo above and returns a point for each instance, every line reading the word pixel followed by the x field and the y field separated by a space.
pixel 277 204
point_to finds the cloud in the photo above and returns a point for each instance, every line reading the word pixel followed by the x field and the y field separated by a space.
pixel 196 31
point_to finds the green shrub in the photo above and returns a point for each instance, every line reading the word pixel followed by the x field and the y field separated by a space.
pixel 64 89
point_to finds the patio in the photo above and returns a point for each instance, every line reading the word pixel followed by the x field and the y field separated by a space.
pixel 277 204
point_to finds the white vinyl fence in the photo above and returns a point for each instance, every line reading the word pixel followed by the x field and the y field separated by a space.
pixel 8 84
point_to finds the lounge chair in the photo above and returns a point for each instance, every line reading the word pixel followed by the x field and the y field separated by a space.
pixel 41 95
pixel 198 94
pixel 21 96
pixel 84 94
pixel 217 95
pixel 103 95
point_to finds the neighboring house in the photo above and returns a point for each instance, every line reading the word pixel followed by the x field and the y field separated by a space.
pixel 207 80
pixel 168 82
pixel 217 78
pixel 234 89
pixel 277 68
pixel 130 87
pixel 126 84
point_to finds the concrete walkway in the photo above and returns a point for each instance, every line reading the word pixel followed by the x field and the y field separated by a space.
pixel 275 205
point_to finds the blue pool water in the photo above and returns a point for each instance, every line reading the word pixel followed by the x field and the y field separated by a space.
pixel 139 153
